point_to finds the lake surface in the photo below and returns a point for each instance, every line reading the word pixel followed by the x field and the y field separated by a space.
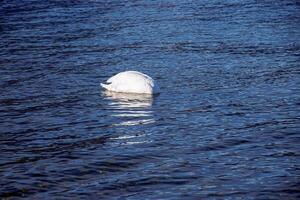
pixel 225 126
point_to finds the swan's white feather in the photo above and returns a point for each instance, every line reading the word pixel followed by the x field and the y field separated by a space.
pixel 131 82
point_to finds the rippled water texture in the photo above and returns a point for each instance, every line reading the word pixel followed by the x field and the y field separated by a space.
pixel 225 126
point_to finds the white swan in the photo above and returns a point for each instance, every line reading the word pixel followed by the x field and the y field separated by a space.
pixel 131 82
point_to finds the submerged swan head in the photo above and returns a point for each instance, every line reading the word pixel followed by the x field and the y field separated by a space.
pixel 131 82
pixel 128 100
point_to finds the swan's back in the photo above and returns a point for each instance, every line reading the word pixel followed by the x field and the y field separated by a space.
pixel 131 82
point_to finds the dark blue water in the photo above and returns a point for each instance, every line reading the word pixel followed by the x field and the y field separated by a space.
pixel 225 126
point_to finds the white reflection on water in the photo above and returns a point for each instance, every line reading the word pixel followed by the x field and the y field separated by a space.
pixel 130 110
pixel 133 109
pixel 131 139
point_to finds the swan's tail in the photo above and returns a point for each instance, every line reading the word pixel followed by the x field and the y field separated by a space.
pixel 105 86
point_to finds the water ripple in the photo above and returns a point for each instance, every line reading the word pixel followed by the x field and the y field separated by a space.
pixel 225 125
